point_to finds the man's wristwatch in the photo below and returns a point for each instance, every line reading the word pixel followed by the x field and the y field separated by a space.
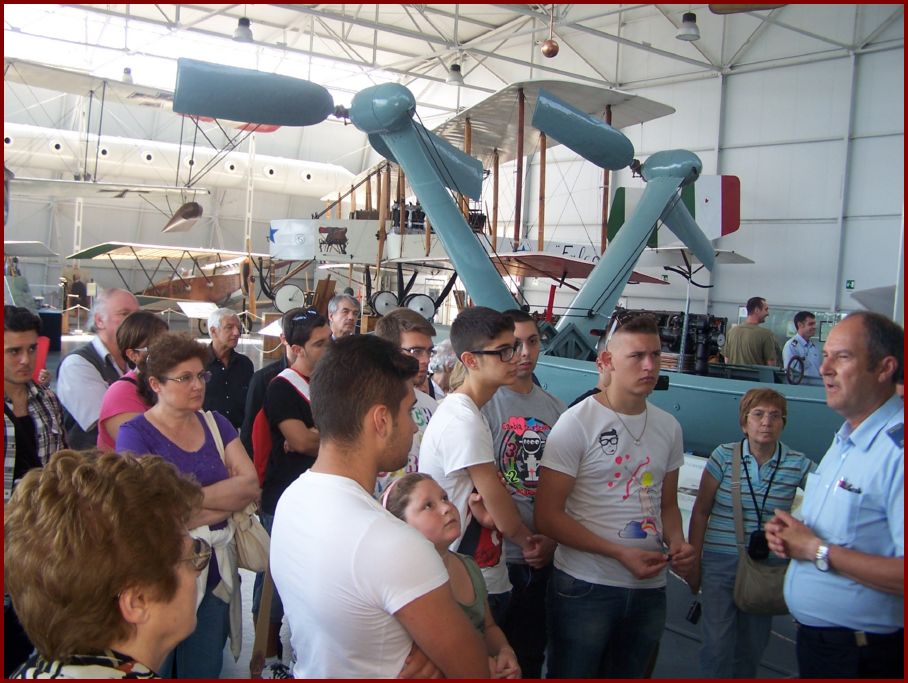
pixel 821 561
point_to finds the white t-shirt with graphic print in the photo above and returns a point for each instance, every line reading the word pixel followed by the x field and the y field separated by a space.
pixel 617 491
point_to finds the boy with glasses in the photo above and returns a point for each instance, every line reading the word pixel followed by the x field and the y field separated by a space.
pixel 412 334
pixel 608 495
pixel 521 416
pixel 457 448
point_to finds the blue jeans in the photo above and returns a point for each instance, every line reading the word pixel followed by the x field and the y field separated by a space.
pixel 202 653
pixel 597 631
pixel 733 641
pixel 276 615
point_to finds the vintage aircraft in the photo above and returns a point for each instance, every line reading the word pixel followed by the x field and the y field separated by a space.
pixel 706 406
pixel 218 276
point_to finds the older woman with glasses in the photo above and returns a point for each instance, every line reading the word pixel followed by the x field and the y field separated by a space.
pixel 175 428
pixel 100 566
pixel 130 395
pixel 733 640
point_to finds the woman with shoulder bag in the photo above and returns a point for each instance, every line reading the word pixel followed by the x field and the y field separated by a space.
pixel 768 475
pixel 176 429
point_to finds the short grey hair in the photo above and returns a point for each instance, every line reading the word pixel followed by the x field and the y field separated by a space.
pixel 335 302
pixel 217 316
pixel 444 357
pixel 100 304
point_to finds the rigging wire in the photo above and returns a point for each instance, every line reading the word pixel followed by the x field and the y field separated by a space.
pixel 436 160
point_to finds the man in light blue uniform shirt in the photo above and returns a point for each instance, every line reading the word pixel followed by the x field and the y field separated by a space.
pixel 800 346
pixel 845 585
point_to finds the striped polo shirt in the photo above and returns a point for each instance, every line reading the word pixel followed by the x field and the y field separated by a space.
pixel 720 531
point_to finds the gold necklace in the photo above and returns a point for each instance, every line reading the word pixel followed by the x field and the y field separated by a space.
pixel 618 415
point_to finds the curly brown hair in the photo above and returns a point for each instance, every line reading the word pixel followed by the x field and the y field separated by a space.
pixel 165 352
pixel 81 530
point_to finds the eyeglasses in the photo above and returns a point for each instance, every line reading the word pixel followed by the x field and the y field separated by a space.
pixel 419 351
pixel 204 377
pixel 201 554
pixel 505 354
pixel 141 349
pixel 773 415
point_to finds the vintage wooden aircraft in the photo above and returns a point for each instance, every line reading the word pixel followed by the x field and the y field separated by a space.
pixel 193 274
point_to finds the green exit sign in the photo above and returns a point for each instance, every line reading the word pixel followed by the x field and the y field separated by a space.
pixel 849 284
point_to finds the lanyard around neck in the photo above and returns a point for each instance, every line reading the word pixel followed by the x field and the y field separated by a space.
pixel 772 477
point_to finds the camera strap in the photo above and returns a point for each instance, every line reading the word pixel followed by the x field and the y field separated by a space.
pixel 762 508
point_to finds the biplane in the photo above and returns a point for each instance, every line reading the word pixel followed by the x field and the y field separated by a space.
pixel 706 405
pixel 218 276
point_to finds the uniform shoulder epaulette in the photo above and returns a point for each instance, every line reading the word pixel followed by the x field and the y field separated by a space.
pixel 897 434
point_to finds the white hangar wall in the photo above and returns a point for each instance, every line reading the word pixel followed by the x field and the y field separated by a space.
pixel 819 149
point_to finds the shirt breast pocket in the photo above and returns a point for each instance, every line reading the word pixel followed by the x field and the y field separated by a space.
pixel 839 520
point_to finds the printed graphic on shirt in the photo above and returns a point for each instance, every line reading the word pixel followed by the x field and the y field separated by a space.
pixel 520 453
pixel 629 477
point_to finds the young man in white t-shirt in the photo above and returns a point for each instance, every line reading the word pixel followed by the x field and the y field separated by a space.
pixel 359 586
pixel 412 334
pixel 608 495
pixel 457 448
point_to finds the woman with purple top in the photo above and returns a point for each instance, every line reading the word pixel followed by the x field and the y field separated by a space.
pixel 175 429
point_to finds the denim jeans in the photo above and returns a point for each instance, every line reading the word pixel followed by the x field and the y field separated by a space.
pixel 597 631
pixel 733 641
pixel 202 653
pixel 524 622
pixel 276 615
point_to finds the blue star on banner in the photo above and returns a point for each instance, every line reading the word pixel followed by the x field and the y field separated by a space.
pixel 271 233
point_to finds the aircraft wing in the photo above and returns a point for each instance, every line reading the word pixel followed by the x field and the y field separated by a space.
pixel 555 266
pixel 675 256
pixel 76 82
pixel 125 251
pixel 46 187
pixel 494 119
pixel 27 249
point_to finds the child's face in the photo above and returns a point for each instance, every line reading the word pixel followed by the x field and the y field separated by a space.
pixel 432 514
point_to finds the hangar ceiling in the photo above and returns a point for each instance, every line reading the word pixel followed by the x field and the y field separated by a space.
pixel 497 44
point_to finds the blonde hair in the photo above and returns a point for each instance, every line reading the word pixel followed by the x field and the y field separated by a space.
pixel 457 376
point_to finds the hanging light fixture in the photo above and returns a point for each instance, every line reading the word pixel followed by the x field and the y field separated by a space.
pixel 455 77
pixel 688 29
pixel 243 33
pixel 550 46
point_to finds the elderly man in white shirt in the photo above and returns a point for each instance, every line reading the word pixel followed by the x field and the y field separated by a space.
pixel 85 374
